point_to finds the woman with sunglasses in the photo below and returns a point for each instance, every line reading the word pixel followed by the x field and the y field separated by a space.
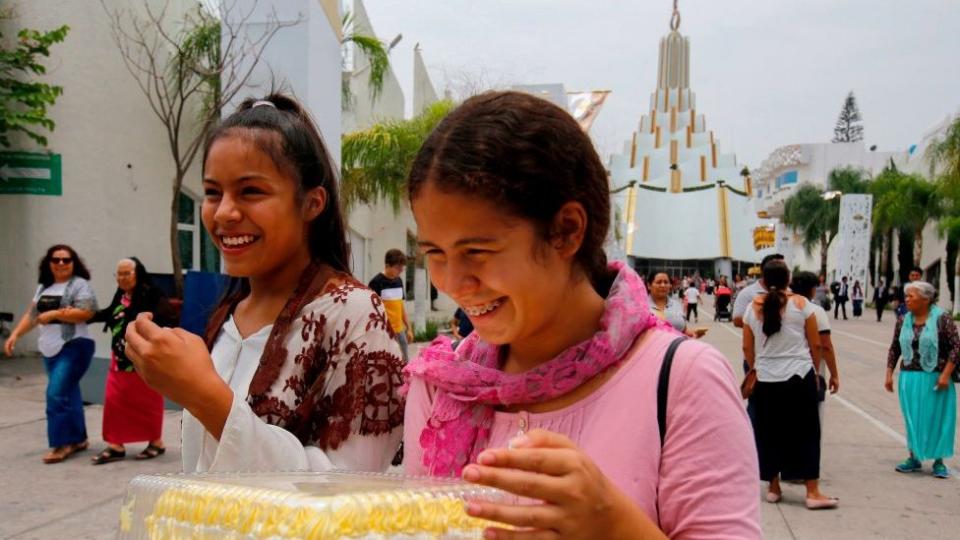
pixel 62 305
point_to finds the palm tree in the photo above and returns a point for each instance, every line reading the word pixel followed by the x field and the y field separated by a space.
pixel 816 219
pixel 943 155
pixel 376 52
pixel 376 161
pixel 907 202
pixel 848 180
pixel 922 204
pixel 375 165
pixel 885 218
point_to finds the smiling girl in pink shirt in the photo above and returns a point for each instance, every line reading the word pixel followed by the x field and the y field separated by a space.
pixel 554 396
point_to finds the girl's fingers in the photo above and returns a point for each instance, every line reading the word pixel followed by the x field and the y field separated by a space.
pixel 552 461
pixel 135 342
pixel 538 516
pixel 496 533
pixel 523 483
pixel 146 327
pixel 543 439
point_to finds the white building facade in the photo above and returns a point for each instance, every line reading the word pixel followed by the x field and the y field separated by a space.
pixel 789 167
pixel 117 171
pixel 681 204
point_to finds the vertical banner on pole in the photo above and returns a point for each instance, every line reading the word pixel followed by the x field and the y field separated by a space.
pixel 854 233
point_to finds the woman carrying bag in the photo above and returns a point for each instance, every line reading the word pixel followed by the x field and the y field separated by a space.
pixel 782 346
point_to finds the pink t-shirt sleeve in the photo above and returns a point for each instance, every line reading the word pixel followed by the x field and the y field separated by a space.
pixel 419 405
pixel 709 473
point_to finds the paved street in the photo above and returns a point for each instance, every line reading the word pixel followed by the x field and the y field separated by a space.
pixel 863 439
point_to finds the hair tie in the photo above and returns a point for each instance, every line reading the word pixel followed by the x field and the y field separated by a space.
pixel 261 103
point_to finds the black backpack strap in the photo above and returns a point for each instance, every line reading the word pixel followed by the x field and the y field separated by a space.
pixel 663 385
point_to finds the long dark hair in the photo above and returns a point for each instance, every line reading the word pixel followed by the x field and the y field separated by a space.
pixel 776 275
pixel 46 278
pixel 284 130
pixel 525 155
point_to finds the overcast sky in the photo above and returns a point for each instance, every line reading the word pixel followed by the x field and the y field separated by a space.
pixel 766 73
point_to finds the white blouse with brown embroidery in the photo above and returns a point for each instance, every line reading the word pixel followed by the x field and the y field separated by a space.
pixel 331 402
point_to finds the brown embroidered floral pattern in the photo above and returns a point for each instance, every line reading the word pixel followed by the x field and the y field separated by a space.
pixel 331 367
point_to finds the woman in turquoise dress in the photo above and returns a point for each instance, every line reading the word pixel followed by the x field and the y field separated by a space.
pixel 926 342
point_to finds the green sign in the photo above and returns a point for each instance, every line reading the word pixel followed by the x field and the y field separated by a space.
pixel 30 173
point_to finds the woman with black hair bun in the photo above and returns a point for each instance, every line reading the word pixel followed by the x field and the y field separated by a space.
pixel 299 369
pixel 132 411
pixel 63 303
pixel 781 344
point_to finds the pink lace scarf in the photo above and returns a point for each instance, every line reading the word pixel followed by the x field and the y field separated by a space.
pixel 470 384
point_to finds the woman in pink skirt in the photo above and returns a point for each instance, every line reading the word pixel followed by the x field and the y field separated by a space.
pixel 132 411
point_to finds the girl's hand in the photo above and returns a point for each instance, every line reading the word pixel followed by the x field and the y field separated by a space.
pixel 942 382
pixel 9 345
pixel 888 382
pixel 579 501
pixel 172 361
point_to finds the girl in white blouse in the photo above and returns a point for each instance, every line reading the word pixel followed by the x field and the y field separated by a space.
pixel 299 369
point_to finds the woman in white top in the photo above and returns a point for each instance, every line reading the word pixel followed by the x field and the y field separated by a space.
pixel 781 342
pixel 299 369
pixel 62 304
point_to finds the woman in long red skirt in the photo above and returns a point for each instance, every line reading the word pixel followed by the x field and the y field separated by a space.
pixel 132 411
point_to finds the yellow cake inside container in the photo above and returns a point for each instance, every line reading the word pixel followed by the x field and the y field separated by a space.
pixel 300 505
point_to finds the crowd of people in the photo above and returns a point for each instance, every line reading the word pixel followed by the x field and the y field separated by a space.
pixel 563 369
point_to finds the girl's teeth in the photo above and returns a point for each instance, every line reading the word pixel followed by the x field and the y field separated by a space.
pixel 237 240
pixel 475 311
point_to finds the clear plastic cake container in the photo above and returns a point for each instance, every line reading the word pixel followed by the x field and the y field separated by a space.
pixel 288 505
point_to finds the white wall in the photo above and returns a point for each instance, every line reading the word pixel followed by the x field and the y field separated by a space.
pixel 302 60
pixel 117 170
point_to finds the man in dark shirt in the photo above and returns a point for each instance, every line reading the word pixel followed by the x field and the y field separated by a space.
pixel 389 287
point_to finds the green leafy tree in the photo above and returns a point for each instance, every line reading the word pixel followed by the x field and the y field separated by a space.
pixel 376 53
pixel 943 155
pixel 907 202
pixel 376 161
pixel 848 128
pixel 24 103
pixel 375 165
pixel 817 220
pixel 885 218
pixel 188 68
pixel 923 203
pixel 816 217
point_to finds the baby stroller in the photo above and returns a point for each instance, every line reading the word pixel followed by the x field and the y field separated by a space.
pixel 723 304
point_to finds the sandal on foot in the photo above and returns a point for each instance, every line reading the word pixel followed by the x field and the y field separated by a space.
pixel 108 455
pixel 151 452
pixel 774 498
pixel 57 455
pixel 823 504
pixel 61 453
